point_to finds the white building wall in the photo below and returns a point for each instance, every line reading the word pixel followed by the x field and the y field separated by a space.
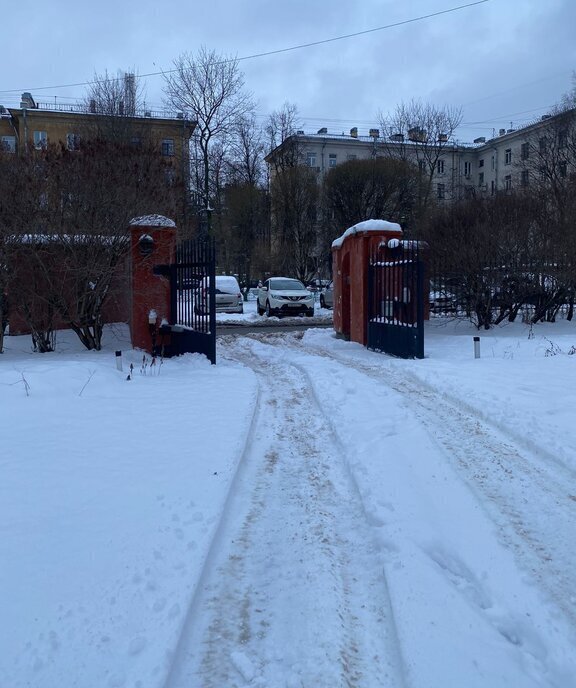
pixel 481 169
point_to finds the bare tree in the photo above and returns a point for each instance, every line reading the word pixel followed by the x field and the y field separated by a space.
pixel 568 100
pixel 23 199
pixel 116 101
pixel 548 167
pixel 244 220
pixel 420 133
pixel 294 204
pixel 247 152
pixel 281 131
pixel 360 189
pixel 210 88
pixel 68 230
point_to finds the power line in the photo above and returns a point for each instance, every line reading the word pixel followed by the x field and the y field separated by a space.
pixel 272 52
pixel 516 88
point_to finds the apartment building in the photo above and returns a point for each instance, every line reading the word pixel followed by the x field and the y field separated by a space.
pixel 35 125
pixel 509 160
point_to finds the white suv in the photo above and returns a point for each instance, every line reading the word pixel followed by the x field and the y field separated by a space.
pixel 284 296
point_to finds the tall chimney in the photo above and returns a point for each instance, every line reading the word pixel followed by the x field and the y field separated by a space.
pixel 129 94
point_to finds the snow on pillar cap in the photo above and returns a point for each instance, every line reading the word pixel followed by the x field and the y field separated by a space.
pixel 152 221
pixel 368 226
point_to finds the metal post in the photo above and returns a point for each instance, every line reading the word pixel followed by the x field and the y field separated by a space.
pixel 476 347
pixel 119 360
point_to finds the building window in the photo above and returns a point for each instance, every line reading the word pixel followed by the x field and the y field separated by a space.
pixel 8 143
pixel 40 139
pixel 351 156
pixel 481 179
pixel 508 156
pixel 493 162
pixel 524 178
pixel 467 168
pixel 440 167
pixel 332 160
pixel 481 163
pixel 421 165
pixel 508 182
pixel 542 144
pixel 492 187
pixel 168 147
pixel 311 159
pixel 525 151
pixel 136 142
pixel 441 191
pixel 563 168
pixel 72 141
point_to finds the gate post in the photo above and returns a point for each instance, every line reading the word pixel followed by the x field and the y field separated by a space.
pixel 350 260
pixel 152 242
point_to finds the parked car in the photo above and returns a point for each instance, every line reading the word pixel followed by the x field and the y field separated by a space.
pixel 284 296
pixel 227 295
pixel 442 301
pixel 318 284
pixel 327 296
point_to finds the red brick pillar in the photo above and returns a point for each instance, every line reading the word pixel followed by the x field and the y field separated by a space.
pixel 152 242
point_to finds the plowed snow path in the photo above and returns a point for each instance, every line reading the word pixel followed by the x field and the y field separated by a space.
pixel 524 487
pixel 380 534
pixel 293 593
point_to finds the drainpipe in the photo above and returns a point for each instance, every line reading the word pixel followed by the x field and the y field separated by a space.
pixel 495 169
pixel 25 130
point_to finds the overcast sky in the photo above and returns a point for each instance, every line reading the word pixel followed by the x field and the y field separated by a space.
pixel 505 62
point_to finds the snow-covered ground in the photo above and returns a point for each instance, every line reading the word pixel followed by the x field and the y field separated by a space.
pixel 306 513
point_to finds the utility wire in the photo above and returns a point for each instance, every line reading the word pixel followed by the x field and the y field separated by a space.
pixel 274 52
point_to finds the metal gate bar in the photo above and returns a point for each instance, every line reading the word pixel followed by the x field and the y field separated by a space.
pixel 192 298
pixel 396 300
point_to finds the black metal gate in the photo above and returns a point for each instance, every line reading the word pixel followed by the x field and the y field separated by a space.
pixel 192 298
pixel 396 299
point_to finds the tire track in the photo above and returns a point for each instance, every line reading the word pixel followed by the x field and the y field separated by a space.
pixel 502 473
pixel 294 593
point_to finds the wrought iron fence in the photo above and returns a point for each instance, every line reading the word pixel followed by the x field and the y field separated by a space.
pixel 192 297
pixel 396 299
pixel 490 292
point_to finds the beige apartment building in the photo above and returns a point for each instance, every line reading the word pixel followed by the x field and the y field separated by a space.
pixel 35 125
pixel 507 161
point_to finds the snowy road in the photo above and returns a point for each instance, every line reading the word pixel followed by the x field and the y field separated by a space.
pixel 294 594
pixel 317 578
pixel 305 514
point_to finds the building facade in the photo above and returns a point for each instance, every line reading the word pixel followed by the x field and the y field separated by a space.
pixel 35 126
pixel 513 159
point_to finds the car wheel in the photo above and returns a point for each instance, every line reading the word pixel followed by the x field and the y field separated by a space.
pixel 310 313
pixel 268 309
pixel 259 310
pixel 322 302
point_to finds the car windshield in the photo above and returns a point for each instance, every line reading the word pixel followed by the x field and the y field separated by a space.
pixel 287 285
